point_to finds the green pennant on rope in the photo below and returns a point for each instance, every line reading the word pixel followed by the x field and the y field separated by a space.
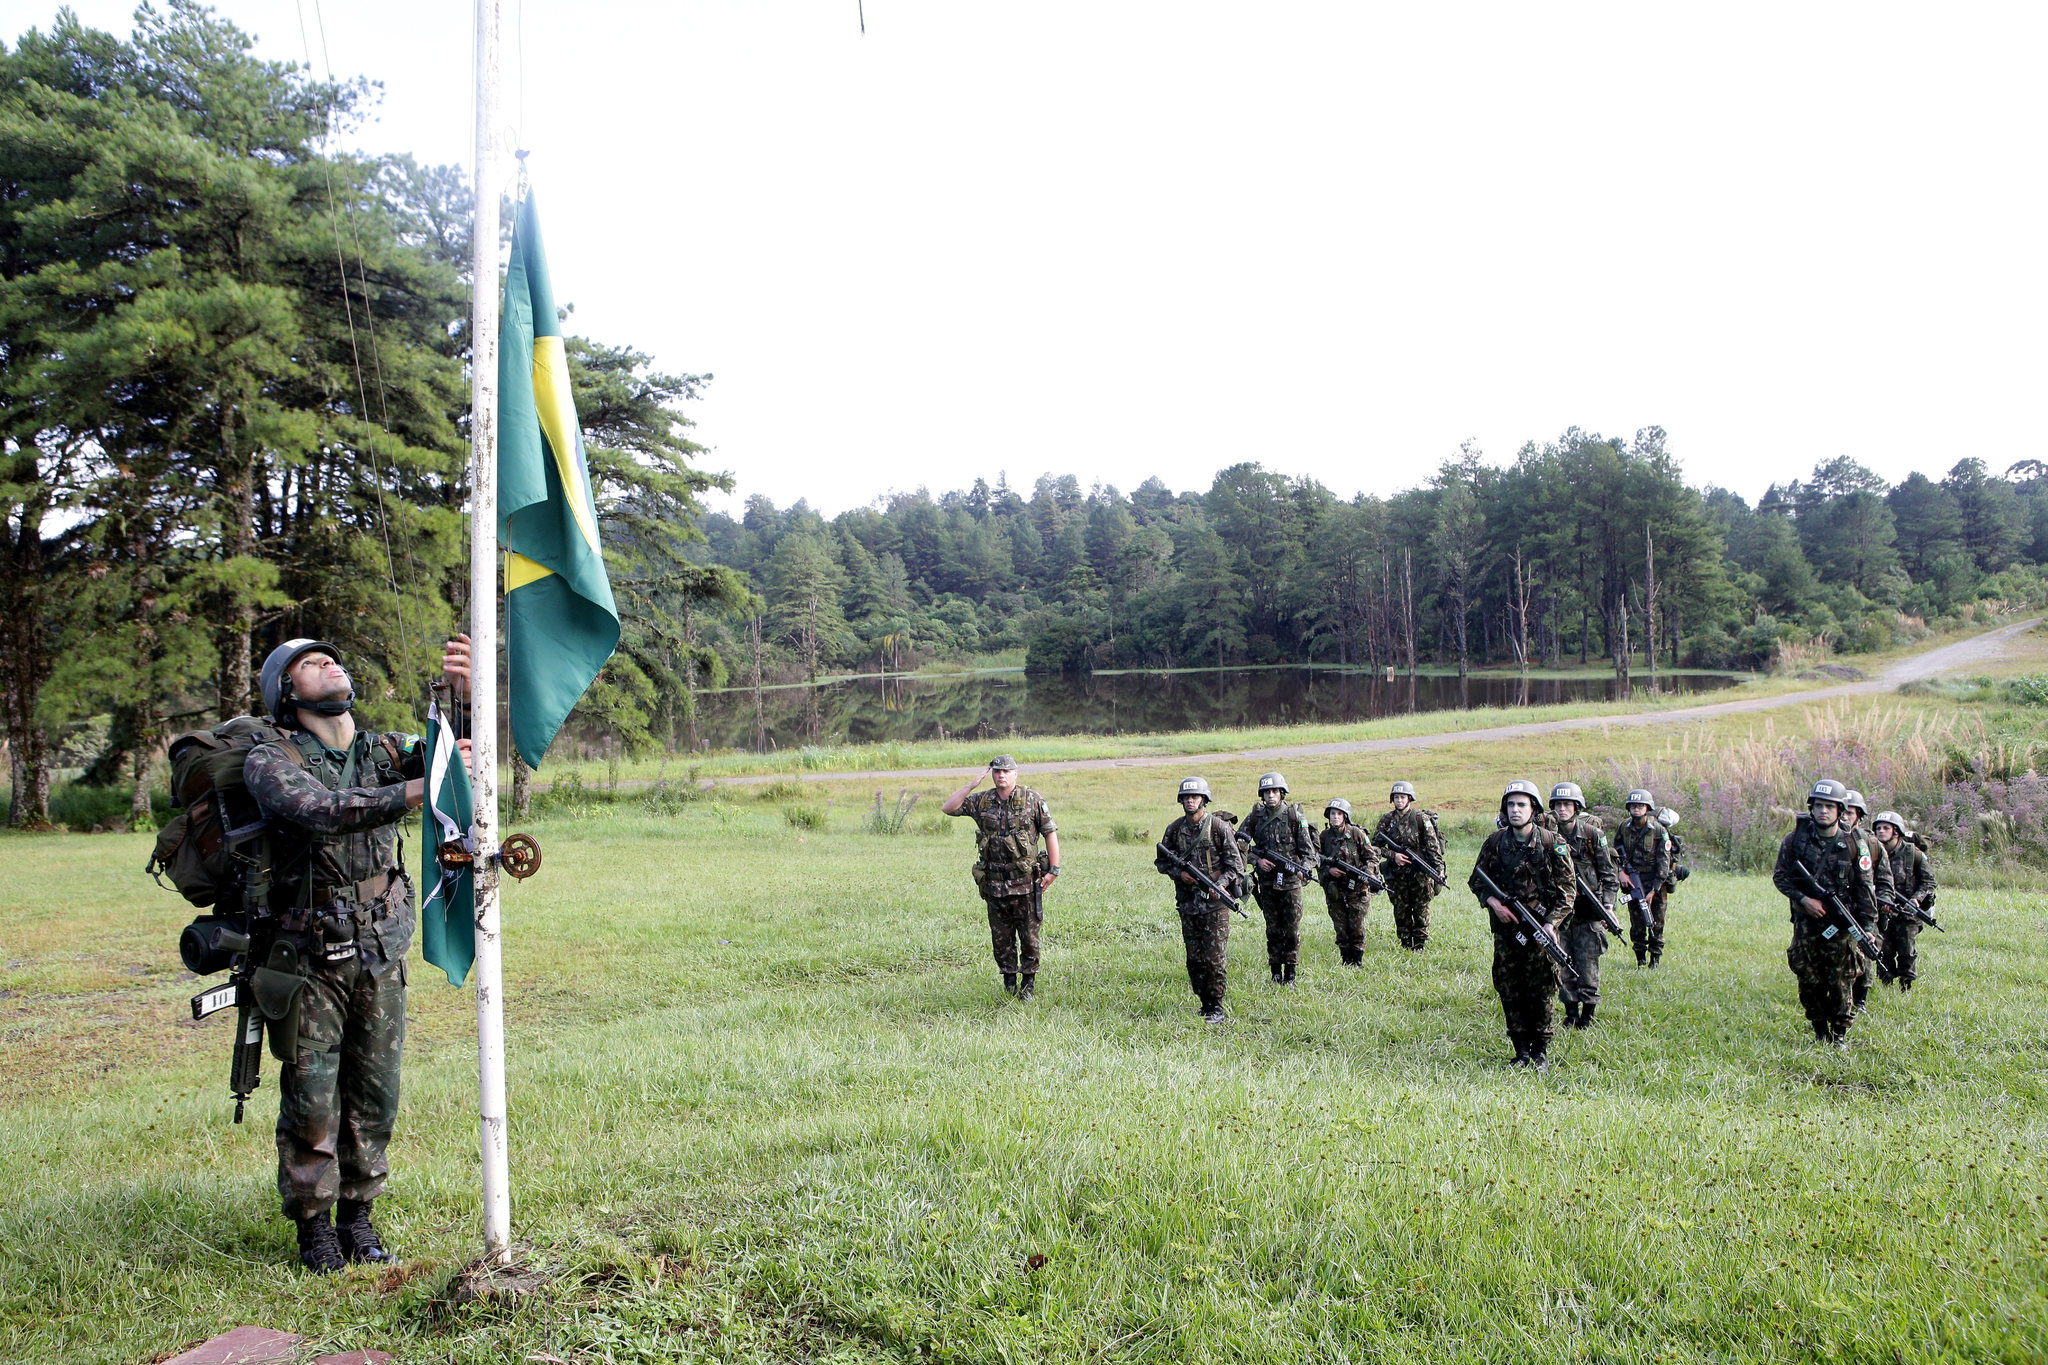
pixel 448 915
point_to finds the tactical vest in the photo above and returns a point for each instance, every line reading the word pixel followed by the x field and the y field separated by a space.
pixel 311 869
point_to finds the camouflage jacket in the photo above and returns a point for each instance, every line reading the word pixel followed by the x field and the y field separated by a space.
pixel 1593 860
pixel 1416 828
pixel 1536 871
pixel 1912 873
pixel 1207 841
pixel 1006 835
pixel 1284 829
pixel 1645 850
pixel 1840 861
pixel 1677 853
pixel 335 818
pixel 1880 863
pixel 1354 846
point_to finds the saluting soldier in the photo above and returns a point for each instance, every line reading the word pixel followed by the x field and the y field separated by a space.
pixel 1409 888
pixel 1855 811
pixel 1912 880
pixel 1534 866
pixel 335 796
pixel 1348 897
pixel 1823 956
pixel 1009 820
pixel 1643 850
pixel 1585 934
pixel 1205 839
pixel 1278 825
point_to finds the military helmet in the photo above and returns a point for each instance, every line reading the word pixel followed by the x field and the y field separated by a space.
pixel 1338 803
pixel 1568 791
pixel 1002 763
pixel 1406 789
pixel 1640 797
pixel 275 682
pixel 1827 789
pixel 1520 788
pixel 1892 818
pixel 1667 817
pixel 1195 786
pixel 1271 781
pixel 1855 802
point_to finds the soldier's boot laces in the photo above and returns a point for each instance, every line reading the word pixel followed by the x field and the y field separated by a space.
pixel 357 1234
pixel 1586 1013
pixel 1026 984
pixel 319 1249
pixel 1010 982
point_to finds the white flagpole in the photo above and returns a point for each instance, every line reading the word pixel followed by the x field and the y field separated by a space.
pixel 483 626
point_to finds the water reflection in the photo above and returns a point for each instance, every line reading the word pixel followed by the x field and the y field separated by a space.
pixel 999 705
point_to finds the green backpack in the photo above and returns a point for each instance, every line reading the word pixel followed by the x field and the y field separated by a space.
pixel 216 845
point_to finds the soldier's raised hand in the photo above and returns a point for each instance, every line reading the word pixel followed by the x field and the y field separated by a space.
pixel 455 663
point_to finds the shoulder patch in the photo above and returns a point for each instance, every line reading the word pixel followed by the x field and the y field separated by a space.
pixel 1864 862
pixel 1561 851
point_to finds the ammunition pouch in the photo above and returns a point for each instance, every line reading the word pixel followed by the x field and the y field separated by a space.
pixel 1000 881
pixel 277 986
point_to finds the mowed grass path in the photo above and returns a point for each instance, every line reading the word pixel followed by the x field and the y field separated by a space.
pixel 768 1103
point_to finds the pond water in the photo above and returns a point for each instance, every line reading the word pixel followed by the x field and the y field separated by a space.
pixel 1005 705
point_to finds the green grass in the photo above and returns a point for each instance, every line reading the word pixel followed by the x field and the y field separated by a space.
pixel 767 1104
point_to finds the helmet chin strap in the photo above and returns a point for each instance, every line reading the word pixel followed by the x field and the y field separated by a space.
pixel 332 708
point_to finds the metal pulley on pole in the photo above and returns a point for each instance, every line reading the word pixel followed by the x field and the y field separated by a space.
pixel 483 598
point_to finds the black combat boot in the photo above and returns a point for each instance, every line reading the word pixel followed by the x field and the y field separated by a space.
pixel 1026 984
pixel 1287 974
pixel 319 1251
pixel 1571 1014
pixel 1212 1011
pixel 1820 1030
pixel 1838 1035
pixel 1276 974
pixel 1010 983
pixel 1862 995
pixel 1539 1055
pixel 1521 1057
pixel 1656 956
pixel 1586 1013
pixel 357 1234
pixel 1642 957
pixel 1905 984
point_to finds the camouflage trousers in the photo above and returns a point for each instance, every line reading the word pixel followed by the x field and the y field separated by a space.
pixel 1585 941
pixel 1347 919
pixel 1827 971
pixel 1013 933
pixel 1902 947
pixel 1207 936
pixel 1282 910
pixel 1409 895
pixel 338 1099
pixel 1527 982
pixel 1646 930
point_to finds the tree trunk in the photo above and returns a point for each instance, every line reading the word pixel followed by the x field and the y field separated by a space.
pixel 25 665
pixel 238 537
pixel 760 728
pixel 1408 603
pixel 522 787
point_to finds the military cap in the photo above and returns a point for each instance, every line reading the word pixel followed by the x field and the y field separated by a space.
pixel 1002 763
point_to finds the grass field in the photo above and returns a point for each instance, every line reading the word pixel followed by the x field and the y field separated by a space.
pixel 769 1105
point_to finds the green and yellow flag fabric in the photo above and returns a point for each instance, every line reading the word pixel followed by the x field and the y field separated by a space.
pixel 561 622
pixel 448 914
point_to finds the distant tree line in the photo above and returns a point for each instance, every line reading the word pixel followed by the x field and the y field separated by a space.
pixel 235 410
pixel 1586 548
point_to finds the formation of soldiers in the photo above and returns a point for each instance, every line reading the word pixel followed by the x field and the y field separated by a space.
pixel 1550 877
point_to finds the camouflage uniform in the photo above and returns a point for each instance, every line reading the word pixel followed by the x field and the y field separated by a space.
pixel 1677 857
pixel 1285 829
pixel 1912 880
pixel 1827 966
pixel 1585 934
pixel 1538 872
pixel 1207 841
pixel 1881 878
pixel 338 890
pixel 1644 848
pixel 1410 889
pixel 1006 835
pixel 1347 897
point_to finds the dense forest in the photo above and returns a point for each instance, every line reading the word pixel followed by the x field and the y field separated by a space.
pixel 234 363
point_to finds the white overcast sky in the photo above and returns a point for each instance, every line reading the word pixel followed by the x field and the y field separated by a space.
pixel 1124 239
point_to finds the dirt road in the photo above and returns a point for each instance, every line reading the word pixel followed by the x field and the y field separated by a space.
pixel 1959 657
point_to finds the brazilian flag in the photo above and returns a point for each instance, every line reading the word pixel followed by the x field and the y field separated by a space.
pixel 561 622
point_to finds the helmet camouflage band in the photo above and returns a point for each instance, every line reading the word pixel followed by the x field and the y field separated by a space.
pixel 1406 789
pixel 1567 791
pixel 1827 789
pixel 1338 803
pixel 1854 801
pixel 1892 818
pixel 1639 797
pixel 276 686
pixel 1271 782
pixel 1667 817
pixel 1002 763
pixel 1195 786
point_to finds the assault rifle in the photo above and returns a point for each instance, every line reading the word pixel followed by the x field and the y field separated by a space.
pixel 1638 899
pixel 1393 845
pixel 1841 920
pixel 1287 865
pixel 1913 910
pixel 1607 917
pixel 1528 926
pixel 1202 879
pixel 1372 882
pixel 207 945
